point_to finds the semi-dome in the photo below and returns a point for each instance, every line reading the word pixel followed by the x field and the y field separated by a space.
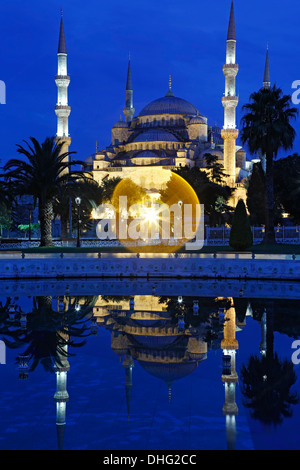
pixel 120 125
pixel 169 371
pixel 155 135
pixel 146 154
pixel 169 105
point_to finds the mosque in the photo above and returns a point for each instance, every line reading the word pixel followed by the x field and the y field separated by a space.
pixel 168 133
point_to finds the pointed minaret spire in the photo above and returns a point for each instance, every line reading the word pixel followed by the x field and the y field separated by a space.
pixel 129 76
pixel 231 28
pixel 62 80
pixel 62 48
pixel 129 109
pixel 230 101
pixel 267 80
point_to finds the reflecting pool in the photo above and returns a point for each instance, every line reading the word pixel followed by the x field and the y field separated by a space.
pixel 150 365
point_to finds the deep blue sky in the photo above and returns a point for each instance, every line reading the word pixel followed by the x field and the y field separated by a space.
pixel 186 39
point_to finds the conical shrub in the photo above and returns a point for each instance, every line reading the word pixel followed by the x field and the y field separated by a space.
pixel 241 237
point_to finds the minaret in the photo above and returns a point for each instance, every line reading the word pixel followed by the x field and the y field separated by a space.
pixel 229 345
pixel 61 396
pixel 61 368
pixel 62 80
pixel 266 86
pixel 129 109
pixel 128 365
pixel 267 80
pixel 229 132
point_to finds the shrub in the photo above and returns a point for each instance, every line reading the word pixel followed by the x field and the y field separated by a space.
pixel 241 236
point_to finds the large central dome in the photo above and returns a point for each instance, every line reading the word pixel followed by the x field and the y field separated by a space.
pixel 169 104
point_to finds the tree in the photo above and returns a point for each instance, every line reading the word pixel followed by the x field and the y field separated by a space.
pixel 47 331
pixel 267 380
pixel 256 195
pixel 25 228
pixel 216 173
pixel 43 174
pixel 135 194
pixel 108 186
pixel 6 221
pixel 267 129
pixel 209 193
pixel 91 195
pixel 287 185
pixel 240 234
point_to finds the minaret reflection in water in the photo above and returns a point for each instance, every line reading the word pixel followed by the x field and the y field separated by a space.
pixel 229 345
pixel 43 333
pixel 168 336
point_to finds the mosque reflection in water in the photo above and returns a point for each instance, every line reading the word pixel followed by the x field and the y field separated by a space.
pixel 167 336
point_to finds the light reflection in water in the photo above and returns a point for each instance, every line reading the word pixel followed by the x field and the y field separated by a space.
pixel 168 336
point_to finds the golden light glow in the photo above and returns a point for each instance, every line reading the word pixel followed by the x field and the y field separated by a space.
pixel 161 224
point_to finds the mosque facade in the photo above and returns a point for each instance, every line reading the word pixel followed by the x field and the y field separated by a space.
pixel 168 133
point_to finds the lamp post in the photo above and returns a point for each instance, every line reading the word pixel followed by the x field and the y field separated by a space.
pixel 29 226
pixel 78 202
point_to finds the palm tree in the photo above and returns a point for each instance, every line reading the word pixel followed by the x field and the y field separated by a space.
pixel 267 389
pixel 43 175
pixel 267 129
pixel 47 331
pixel 266 380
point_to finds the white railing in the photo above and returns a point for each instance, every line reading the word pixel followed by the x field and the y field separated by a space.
pixel 214 236
pixel 220 235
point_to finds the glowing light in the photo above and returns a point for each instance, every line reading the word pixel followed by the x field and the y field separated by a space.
pixel 150 215
pixel 156 221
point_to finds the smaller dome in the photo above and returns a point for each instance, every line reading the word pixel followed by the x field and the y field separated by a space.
pixel 120 125
pixel 197 120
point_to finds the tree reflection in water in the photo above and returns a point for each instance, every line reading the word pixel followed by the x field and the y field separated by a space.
pixel 47 331
pixel 266 379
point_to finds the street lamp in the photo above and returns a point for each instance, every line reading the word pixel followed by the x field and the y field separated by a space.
pixel 78 202
pixel 29 226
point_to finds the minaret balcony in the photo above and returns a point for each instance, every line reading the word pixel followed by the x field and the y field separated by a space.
pixel 63 138
pixel 230 70
pixel 62 111
pixel 62 80
pixel 230 101
pixel 229 134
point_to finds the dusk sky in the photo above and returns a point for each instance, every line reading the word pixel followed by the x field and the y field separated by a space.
pixel 186 39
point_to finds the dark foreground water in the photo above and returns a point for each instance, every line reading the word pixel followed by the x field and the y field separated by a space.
pixel 153 366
